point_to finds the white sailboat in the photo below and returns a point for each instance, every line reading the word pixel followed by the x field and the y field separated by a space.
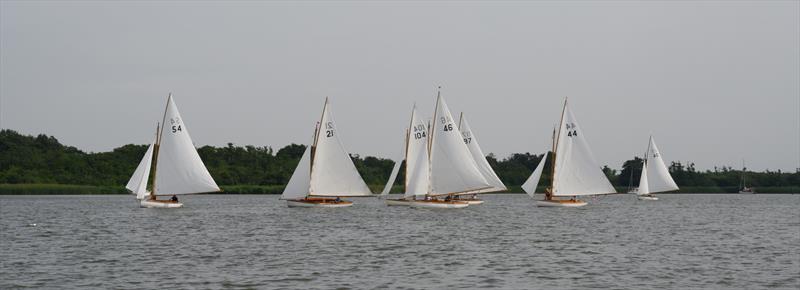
pixel 743 188
pixel 325 172
pixel 575 172
pixel 417 175
pixel 483 165
pixel 655 175
pixel 452 170
pixel 177 166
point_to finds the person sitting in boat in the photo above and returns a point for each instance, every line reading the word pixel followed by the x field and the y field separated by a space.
pixel 174 198
pixel 337 199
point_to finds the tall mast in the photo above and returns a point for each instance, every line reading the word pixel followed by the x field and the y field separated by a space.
pixel 430 136
pixel 316 139
pixel 408 139
pixel 556 139
pixel 157 146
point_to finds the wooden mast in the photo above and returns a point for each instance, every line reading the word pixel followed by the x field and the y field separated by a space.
pixel 555 144
pixel 314 144
pixel 157 146
pixel 430 136
pixel 408 139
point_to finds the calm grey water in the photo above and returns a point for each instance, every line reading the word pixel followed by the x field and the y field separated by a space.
pixel 248 241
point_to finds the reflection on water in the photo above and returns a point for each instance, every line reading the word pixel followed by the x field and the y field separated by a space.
pixel 218 241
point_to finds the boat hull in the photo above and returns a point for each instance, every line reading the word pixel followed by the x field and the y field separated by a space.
pixel 438 204
pixel 560 203
pixel 318 203
pixel 160 204
pixel 472 201
pixel 645 197
pixel 397 202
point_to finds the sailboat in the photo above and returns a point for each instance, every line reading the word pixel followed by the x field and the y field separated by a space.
pixel 417 175
pixel 325 171
pixel 483 165
pixel 655 175
pixel 743 188
pixel 177 167
pixel 575 172
pixel 452 170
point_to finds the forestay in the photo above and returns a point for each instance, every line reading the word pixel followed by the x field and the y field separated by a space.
pixel 657 173
pixel 480 159
pixel 298 185
pixel 576 171
pixel 530 185
pixel 417 163
pixel 332 170
pixel 453 170
pixel 138 182
pixel 179 169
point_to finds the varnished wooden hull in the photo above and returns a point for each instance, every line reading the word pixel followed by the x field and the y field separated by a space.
pixel 318 203
pixel 438 204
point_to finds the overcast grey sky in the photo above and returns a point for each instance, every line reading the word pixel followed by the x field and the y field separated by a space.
pixel 714 82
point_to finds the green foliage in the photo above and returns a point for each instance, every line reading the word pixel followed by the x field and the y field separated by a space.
pixel 42 165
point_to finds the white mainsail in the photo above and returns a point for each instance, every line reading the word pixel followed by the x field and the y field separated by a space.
pixel 179 169
pixel 576 171
pixel 417 163
pixel 297 188
pixel 644 187
pixel 332 171
pixel 480 159
pixel 658 175
pixel 530 185
pixel 453 170
pixel 138 182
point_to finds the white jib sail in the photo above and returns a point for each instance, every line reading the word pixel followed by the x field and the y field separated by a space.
pixel 657 173
pixel 179 169
pixel 392 177
pixel 298 185
pixel 417 162
pixel 333 172
pixel 138 182
pixel 453 170
pixel 644 187
pixel 480 159
pixel 576 171
pixel 530 185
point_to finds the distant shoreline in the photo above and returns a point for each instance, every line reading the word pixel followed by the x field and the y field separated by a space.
pixel 71 189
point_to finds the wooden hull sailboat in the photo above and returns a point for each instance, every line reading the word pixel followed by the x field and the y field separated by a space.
pixel 325 172
pixel 438 204
pixel 157 203
pixel 574 170
pixel 561 203
pixel 437 171
pixel 180 170
pixel 318 203
pixel 647 197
